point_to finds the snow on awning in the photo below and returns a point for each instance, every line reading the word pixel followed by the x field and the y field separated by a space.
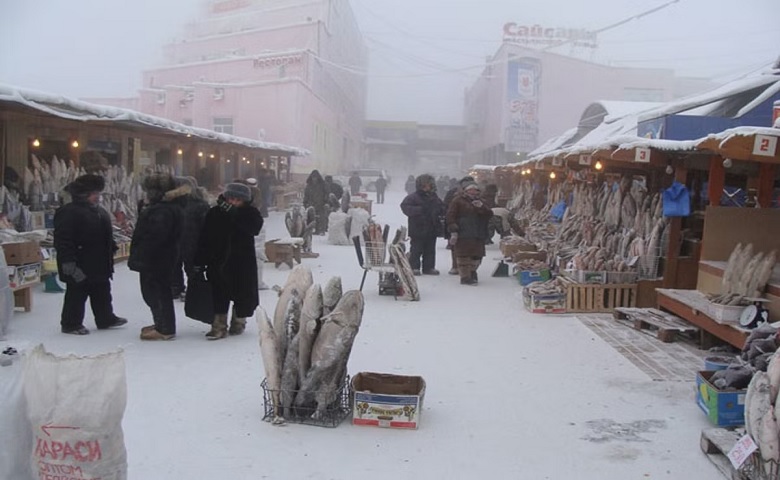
pixel 78 110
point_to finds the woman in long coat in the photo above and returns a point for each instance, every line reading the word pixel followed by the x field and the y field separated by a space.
pixel 226 250
pixel 315 194
pixel 467 222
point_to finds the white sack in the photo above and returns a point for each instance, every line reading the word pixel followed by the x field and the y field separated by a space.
pixel 16 435
pixel 337 229
pixel 75 407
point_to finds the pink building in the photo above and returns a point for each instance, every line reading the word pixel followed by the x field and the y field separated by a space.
pixel 284 71
pixel 526 96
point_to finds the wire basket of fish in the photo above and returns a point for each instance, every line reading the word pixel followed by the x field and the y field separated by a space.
pixel 308 413
pixel 756 468
pixel 375 253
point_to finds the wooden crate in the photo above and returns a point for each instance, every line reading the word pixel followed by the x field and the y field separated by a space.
pixel 581 298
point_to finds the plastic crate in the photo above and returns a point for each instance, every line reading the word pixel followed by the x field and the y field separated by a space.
pixel 334 413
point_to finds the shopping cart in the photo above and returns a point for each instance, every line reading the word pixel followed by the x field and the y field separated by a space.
pixel 374 260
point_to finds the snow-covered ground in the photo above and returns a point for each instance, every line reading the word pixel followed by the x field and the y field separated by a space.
pixel 510 395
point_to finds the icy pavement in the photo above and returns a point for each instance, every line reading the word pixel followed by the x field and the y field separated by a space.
pixel 510 395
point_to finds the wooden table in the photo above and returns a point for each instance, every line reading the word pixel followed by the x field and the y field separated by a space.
pixel 691 305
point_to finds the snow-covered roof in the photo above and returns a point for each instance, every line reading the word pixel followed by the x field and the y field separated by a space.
pixel 483 167
pixel 730 89
pixel 617 109
pixel 554 143
pixel 78 110
pixel 379 141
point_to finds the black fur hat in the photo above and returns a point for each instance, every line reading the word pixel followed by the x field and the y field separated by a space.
pixel 156 184
pixel 86 184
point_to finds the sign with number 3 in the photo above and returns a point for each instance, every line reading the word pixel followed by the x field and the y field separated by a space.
pixel 765 145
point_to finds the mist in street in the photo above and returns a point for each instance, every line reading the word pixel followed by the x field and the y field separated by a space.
pixel 422 54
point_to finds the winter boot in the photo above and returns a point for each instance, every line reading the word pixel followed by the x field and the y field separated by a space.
pixel 218 328
pixel 237 325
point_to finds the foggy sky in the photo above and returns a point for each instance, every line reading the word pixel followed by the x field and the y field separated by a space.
pixel 98 48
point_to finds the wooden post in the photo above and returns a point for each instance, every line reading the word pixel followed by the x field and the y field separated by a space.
pixel 717 180
pixel 766 181
pixel 675 239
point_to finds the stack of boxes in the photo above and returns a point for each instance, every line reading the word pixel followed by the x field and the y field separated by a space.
pixel 24 263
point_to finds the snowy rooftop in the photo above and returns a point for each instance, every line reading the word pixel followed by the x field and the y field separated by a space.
pixel 72 109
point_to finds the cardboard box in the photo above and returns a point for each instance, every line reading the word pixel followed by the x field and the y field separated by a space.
pixel 520 256
pixel 386 400
pixel 21 253
pixel 22 275
pixel 723 407
pixel 552 303
pixel 38 220
pixel 508 247
pixel 526 277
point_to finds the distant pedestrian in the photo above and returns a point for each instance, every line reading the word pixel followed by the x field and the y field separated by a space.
pixel 84 241
pixel 355 183
pixel 467 221
pixel 424 209
pixel 409 186
pixel 381 185
pixel 226 252
pixel 154 252
pixel 315 195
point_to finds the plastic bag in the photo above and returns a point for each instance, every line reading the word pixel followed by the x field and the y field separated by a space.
pixel 676 201
pixel 15 431
pixel 75 407
pixel 359 222
pixel 337 229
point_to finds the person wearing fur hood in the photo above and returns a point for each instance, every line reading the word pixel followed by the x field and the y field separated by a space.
pixel 84 241
pixel 424 209
pixel 226 252
pixel 154 251
pixel 467 222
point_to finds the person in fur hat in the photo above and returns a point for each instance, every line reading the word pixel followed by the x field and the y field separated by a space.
pixel 226 252
pixel 84 241
pixel 424 209
pixel 194 209
pixel 467 222
pixel 154 251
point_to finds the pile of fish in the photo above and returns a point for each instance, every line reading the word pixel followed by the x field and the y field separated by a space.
pixel 761 421
pixel 300 224
pixel 618 227
pixel 746 275
pixel 306 348
pixel 550 287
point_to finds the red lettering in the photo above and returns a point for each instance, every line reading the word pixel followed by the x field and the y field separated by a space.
pixel 764 145
pixel 509 28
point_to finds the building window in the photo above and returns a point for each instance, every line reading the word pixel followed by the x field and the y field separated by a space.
pixel 223 125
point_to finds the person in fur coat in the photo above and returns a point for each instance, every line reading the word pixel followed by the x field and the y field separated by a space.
pixel 226 251
pixel 84 241
pixel 154 251
pixel 467 222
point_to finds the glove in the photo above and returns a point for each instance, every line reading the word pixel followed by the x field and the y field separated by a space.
pixel 70 269
pixel 453 239
pixel 223 204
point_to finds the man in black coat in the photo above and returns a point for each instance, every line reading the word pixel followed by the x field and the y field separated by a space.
pixel 425 211
pixel 194 211
pixel 154 252
pixel 226 251
pixel 381 185
pixel 315 194
pixel 84 241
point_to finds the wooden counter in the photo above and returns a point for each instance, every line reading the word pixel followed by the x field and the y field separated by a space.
pixel 691 305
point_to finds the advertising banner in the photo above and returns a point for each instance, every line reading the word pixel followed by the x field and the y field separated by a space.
pixel 521 118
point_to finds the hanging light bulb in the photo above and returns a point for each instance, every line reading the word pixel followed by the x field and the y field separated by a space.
pixel 200 154
pixel 598 165
pixel 211 156
pixel 36 143
pixel 552 175
pixel 228 160
pixel 75 144
pixel 180 151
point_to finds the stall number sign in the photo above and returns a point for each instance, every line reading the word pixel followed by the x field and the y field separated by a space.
pixel 642 155
pixel 539 166
pixel 586 160
pixel 765 145
pixel 741 451
pixel 557 162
